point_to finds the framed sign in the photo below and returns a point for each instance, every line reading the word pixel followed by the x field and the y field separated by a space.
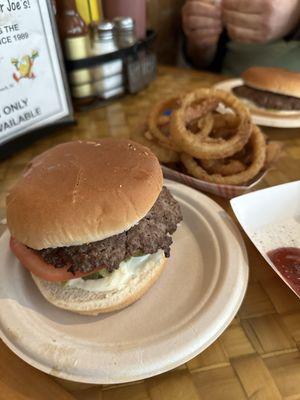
pixel 33 87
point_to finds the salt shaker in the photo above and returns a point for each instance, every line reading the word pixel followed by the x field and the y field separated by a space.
pixel 109 75
pixel 125 31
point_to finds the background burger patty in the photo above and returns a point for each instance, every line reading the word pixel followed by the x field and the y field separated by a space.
pixel 267 99
pixel 147 237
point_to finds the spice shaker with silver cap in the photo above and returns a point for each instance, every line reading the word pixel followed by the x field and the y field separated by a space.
pixel 125 31
pixel 109 75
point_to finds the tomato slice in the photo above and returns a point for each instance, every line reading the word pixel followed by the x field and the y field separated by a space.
pixel 35 264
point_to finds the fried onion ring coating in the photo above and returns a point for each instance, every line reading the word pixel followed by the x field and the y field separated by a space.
pixel 258 157
pixel 207 147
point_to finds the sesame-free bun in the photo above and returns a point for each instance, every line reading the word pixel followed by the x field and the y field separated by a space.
pixel 93 303
pixel 83 191
pixel 275 80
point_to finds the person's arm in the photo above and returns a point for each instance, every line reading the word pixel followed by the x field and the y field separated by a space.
pixel 202 27
pixel 260 21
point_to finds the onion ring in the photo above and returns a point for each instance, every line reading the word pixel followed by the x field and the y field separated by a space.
pixel 159 124
pixel 163 120
pixel 225 121
pixel 203 126
pixel 258 145
pixel 200 147
pixel 195 111
pixel 164 155
pixel 156 120
pixel 223 128
pixel 223 167
pixel 194 120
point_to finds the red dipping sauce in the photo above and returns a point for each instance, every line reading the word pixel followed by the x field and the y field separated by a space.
pixel 287 261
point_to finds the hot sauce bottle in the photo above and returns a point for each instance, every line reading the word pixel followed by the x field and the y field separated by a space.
pixel 76 41
pixel 73 30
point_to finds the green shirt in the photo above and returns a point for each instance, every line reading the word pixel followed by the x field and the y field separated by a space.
pixel 239 57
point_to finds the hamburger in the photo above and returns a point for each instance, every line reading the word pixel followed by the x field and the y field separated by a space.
pixel 270 88
pixel 92 222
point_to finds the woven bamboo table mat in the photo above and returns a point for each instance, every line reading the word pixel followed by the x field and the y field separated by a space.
pixel 257 357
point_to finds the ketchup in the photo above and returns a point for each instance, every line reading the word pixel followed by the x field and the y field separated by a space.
pixel 287 261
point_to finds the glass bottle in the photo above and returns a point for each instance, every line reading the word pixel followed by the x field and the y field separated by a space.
pixel 75 37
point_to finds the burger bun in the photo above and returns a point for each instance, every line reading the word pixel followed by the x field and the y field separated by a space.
pixel 86 302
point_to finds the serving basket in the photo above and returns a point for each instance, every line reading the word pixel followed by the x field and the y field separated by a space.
pixel 225 191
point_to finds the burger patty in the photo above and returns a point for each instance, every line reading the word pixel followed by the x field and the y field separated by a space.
pixel 263 98
pixel 147 237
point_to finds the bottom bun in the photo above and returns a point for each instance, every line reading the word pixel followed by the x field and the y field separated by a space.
pixel 93 303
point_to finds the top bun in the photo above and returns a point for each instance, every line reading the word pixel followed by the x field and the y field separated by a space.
pixel 83 191
pixel 275 80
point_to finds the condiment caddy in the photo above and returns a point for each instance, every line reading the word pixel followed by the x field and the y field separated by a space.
pixel 104 59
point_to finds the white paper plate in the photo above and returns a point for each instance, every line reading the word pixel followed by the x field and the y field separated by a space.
pixel 192 303
pixel 276 119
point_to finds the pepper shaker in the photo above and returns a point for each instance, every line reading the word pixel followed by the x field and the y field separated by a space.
pixel 125 31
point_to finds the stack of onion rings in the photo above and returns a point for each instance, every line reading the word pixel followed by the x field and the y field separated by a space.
pixel 210 132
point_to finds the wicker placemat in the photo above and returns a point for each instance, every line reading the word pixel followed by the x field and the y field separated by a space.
pixel 257 357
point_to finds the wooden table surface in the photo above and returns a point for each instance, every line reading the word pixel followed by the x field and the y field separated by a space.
pixel 256 357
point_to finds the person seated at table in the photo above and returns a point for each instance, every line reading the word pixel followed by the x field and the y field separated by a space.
pixel 233 35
